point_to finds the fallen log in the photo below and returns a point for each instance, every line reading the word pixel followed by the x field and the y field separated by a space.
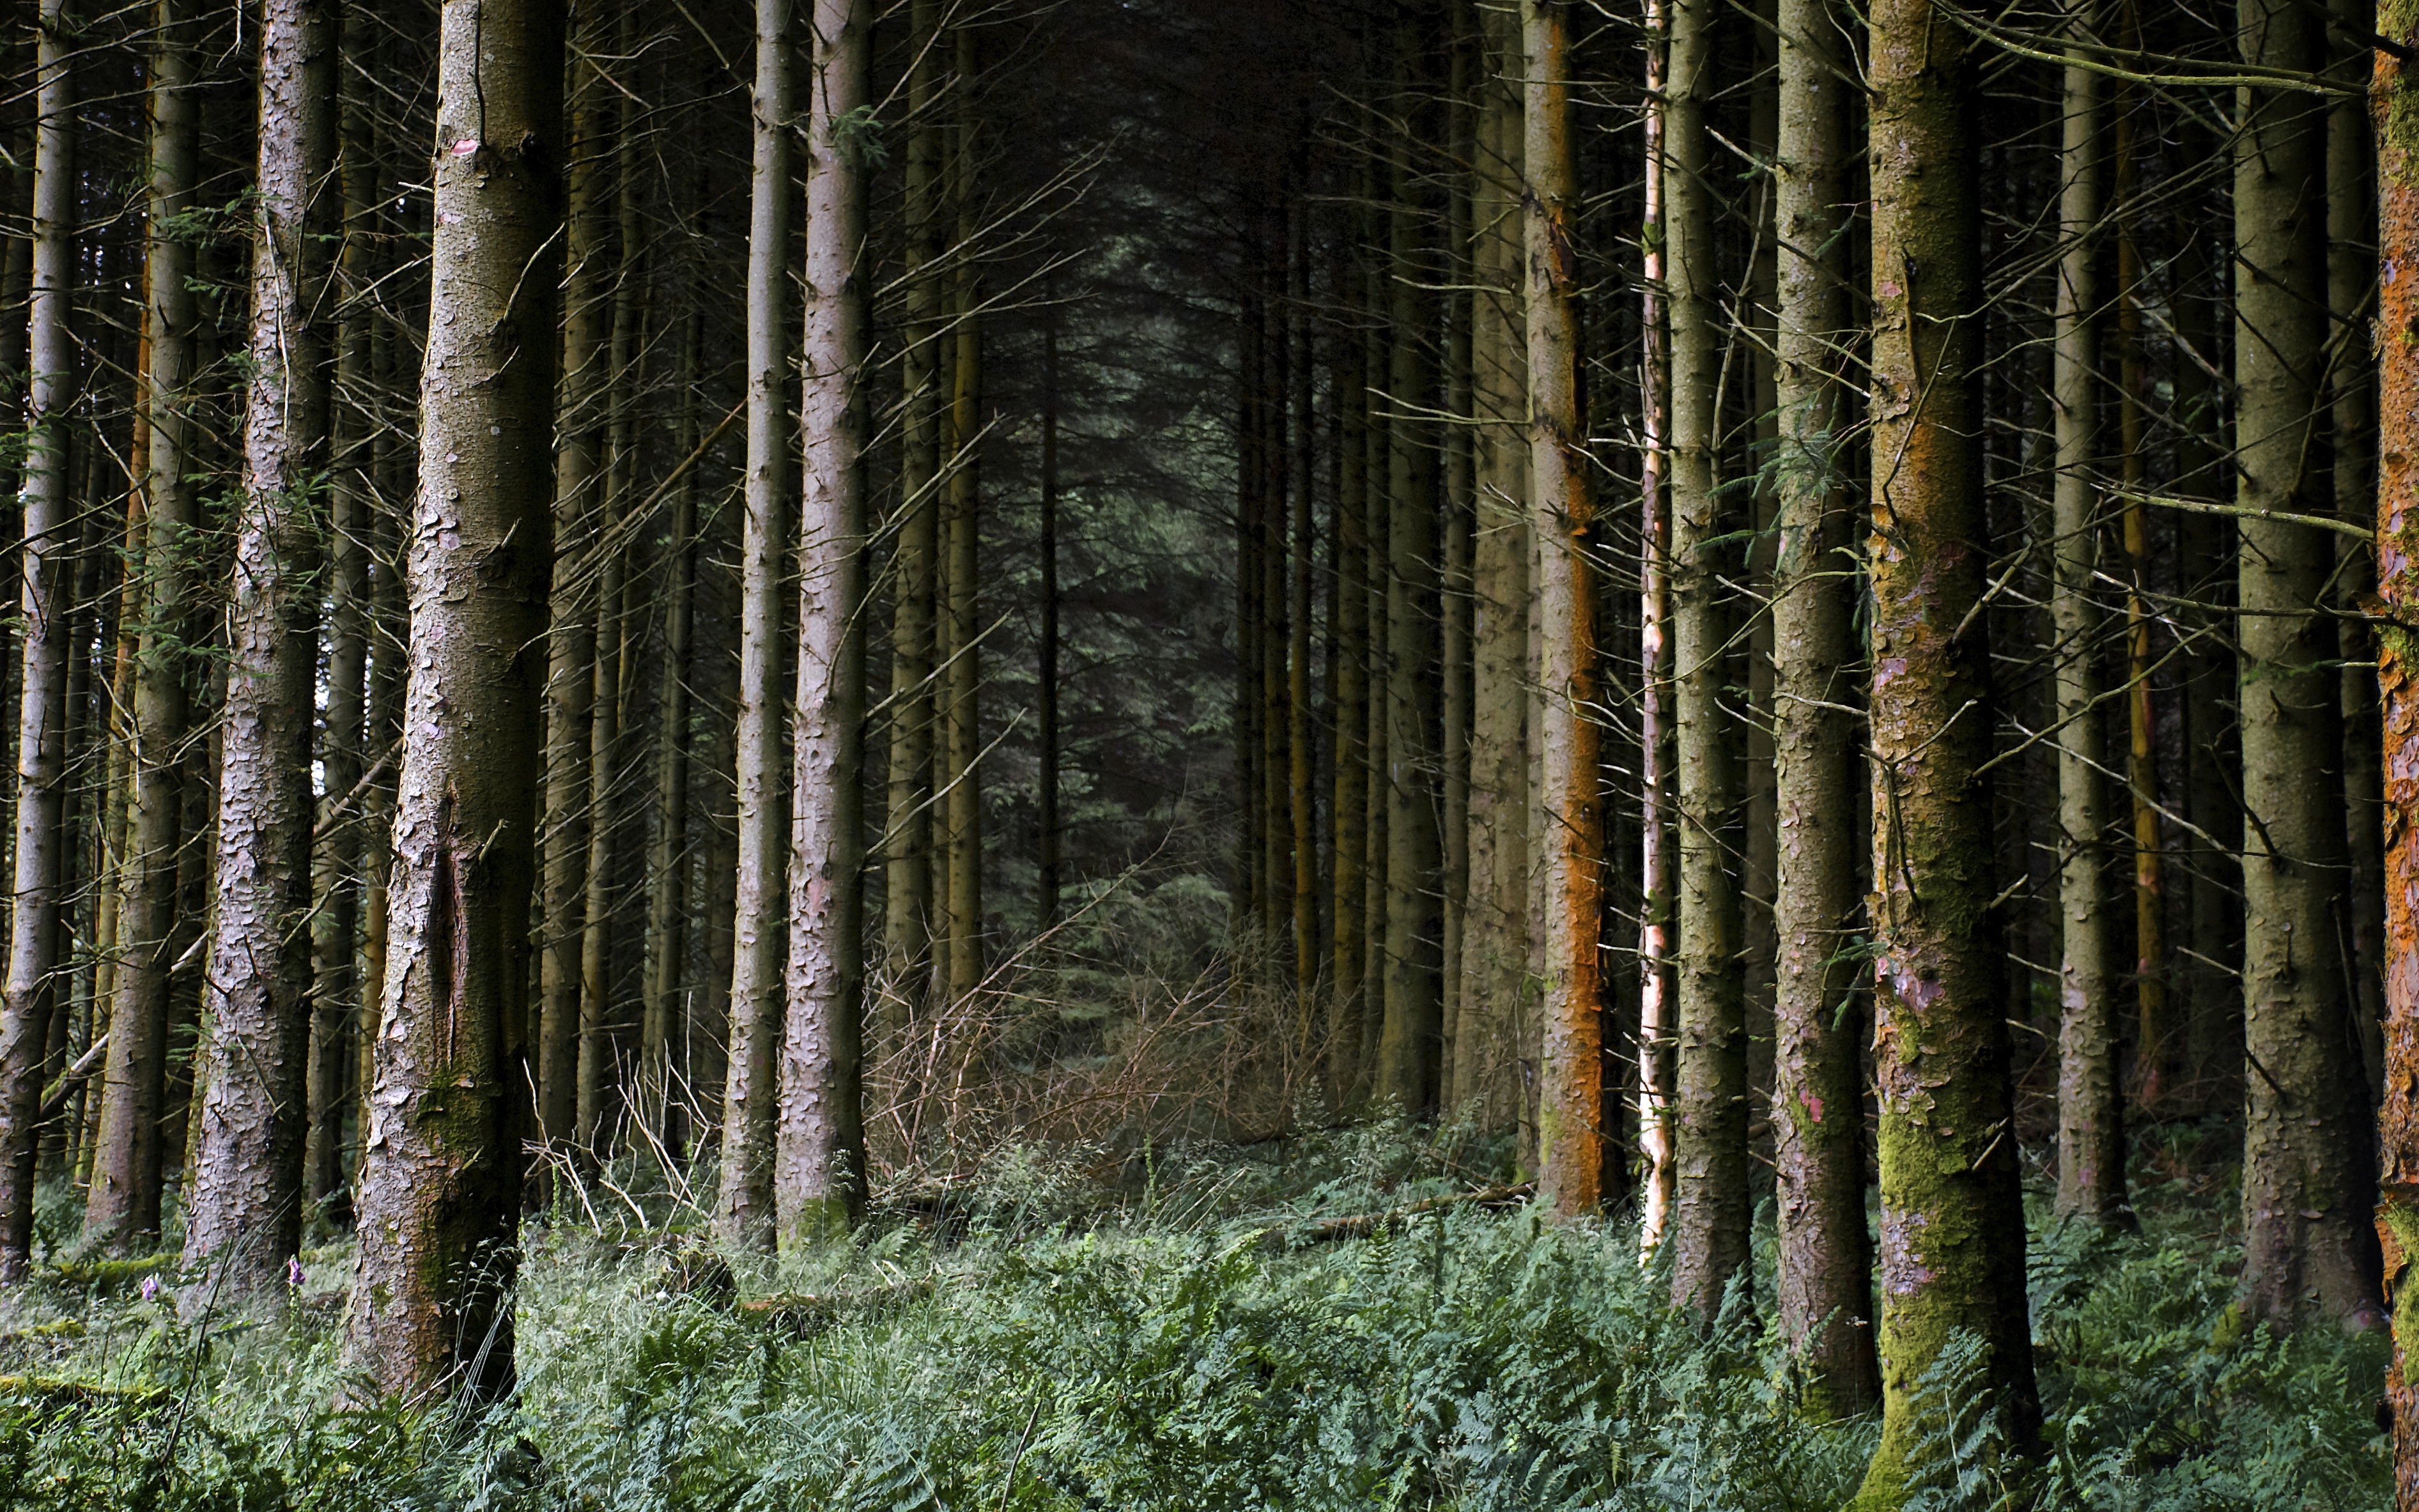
pixel 809 1313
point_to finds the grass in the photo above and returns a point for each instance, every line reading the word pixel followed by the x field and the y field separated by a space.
pixel 1033 1339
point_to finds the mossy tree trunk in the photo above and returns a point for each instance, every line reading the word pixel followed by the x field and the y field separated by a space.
pixel 1952 1223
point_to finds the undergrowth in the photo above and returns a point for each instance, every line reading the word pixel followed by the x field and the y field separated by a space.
pixel 1175 1339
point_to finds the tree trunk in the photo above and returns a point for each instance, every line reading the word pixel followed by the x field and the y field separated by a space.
pixel 745 1210
pixel 2395 94
pixel 1822 1280
pixel 1655 1026
pixel 819 1184
pixel 440 1188
pixel 1495 990
pixel 665 1070
pixel 124 1198
pixel 1302 752
pixel 571 668
pixel 962 805
pixel 2305 1151
pixel 1952 1223
pixel 1710 1217
pixel 336 980
pixel 1348 993
pixel 2352 230
pixel 2090 1108
pixel 1047 821
pixel 24 1013
pixel 1409 1030
pixel 907 859
pixel 1571 1112
pixel 245 1205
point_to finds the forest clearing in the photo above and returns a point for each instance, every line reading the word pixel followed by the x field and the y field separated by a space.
pixel 1093 753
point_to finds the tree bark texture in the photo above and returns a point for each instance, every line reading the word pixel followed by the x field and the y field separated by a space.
pixel 24 1012
pixel 1710 1219
pixel 1952 1225
pixel 744 1213
pixel 1823 1282
pixel 1570 1112
pixel 440 1188
pixel 123 1198
pixel 2305 1156
pixel 819 1173
pixel 244 1205
pixel 2090 1109
pixel 1655 1043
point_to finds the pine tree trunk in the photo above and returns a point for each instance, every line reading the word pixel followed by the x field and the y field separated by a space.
pixel 124 1198
pixel 1822 1280
pixel 245 1205
pixel 2352 230
pixel 1454 607
pixel 24 1013
pixel 1952 1224
pixel 1347 994
pixel 440 1189
pixel 1571 1110
pixel 1047 820
pixel 1275 636
pixel 2306 1163
pixel 1301 774
pixel 1495 992
pixel 665 1067
pixel 962 806
pixel 1655 997
pixel 2395 94
pixel 1710 1216
pixel 908 860
pixel 2090 1109
pixel 336 980
pixel 571 668
pixel 1411 1027
pixel 819 1181
pixel 745 1209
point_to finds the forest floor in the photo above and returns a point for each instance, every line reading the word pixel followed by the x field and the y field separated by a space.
pixel 1189 1338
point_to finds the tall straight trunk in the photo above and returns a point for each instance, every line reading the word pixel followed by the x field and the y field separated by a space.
pixel 124 1198
pixel 392 466
pixel 2090 1109
pixel 2305 1150
pixel 1571 1106
pixel 1952 1222
pixel 24 1013
pixel 1275 637
pixel 1710 1214
pixel 594 1074
pixel 1347 994
pixel 2153 1038
pixel 1251 856
pixel 1458 497
pixel 818 1179
pixel 961 808
pixel 1302 752
pixel 1414 1003
pixel 1495 990
pixel 441 1187
pixel 2395 94
pixel 1377 574
pixel 1655 1005
pixel 601 1047
pixel 245 1205
pixel 664 1068
pixel 907 859
pixel 571 666
pixel 743 1213
pixel 2352 230
pixel 1051 856
pixel 336 982
pixel 1822 1280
